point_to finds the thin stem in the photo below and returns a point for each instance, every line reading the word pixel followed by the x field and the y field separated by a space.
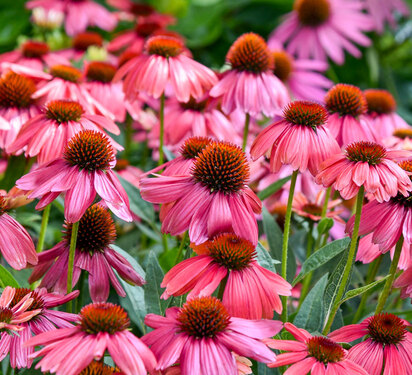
pixel 222 286
pixel 370 277
pixel 164 243
pixel 181 247
pixel 73 240
pixel 246 131
pixel 392 273
pixel 80 297
pixel 128 136
pixel 349 262
pixel 307 279
pixel 285 244
pixel 43 228
pixel 326 202
pixel 162 127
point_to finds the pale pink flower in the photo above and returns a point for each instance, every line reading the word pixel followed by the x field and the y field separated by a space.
pixel 250 84
pixel 231 256
pixel 79 14
pixel 16 245
pixel 203 342
pixel 387 348
pixel 129 172
pixel 46 135
pixel 381 114
pixel 315 355
pixel 383 12
pixel 401 139
pixel 301 138
pixel 304 78
pixel 102 326
pixel 84 171
pixel 47 319
pixel 318 29
pixel 165 63
pixel 34 54
pixel 93 254
pixel 366 164
pixel 213 199
pixel 348 121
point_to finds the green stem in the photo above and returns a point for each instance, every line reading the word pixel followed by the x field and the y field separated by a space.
pixel 370 277
pixel 285 244
pixel 307 279
pixel 128 137
pixel 164 243
pixel 181 247
pixel 80 298
pixel 246 131
pixel 73 240
pixel 392 273
pixel 162 127
pixel 349 262
pixel 43 228
pixel 222 287
pixel 326 202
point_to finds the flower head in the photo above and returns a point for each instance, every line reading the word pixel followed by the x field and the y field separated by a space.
pixel 387 347
pixel 204 325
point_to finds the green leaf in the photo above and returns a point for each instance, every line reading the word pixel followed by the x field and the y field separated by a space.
pixel 311 313
pixel 134 302
pixel 264 259
pixel 322 256
pixel 273 188
pixel 325 225
pixel 15 169
pixel 138 206
pixel 358 291
pixel 6 278
pixel 263 369
pixel 154 277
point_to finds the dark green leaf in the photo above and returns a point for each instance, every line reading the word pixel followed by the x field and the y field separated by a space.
pixel 325 225
pixel 263 369
pixel 6 279
pixel 358 291
pixel 264 258
pixel 273 188
pixel 15 169
pixel 154 277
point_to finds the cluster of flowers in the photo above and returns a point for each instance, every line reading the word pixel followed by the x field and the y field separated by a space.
pixel 57 108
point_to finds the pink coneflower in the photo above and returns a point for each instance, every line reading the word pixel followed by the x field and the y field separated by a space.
pixel 46 319
pixel 381 114
pixel 348 121
pixel 84 171
pixel 47 135
pixel 404 281
pixel 303 77
pixel 67 83
pixel 199 118
pixel 16 105
pixel 366 164
pixel 401 139
pixel 99 368
pixel 300 139
pixel 79 14
pixel 201 335
pixel 313 209
pixel 383 12
pixel 165 63
pixel 316 355
pixel 16 245
pixel 93 254
pixel 129 172
pixel 102 326
pixel 251 72
pixel 34 54
pixel 232 256
pixel 318 29
pixel 387 348
pixel 214 198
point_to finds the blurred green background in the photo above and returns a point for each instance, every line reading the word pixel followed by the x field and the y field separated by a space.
pixel 210 26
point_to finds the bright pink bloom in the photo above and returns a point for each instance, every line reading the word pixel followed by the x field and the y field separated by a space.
pixel 348 121
pixel 251 292
pixel 387 348
pixel 165 63
pixel 35 55
pixel 84 171
pixel 381 114
pixel 102 326
pixel 366 164
pixel 318 29
pixel 404 281
pixel 47 319
pixel 47 135
pixel 383 12
pixel 300 138
pixel 203 342
pixel 16 245
pixel 303 77
pixel 199 118
pixel 213 199
pixel 314 355
pixel 250 84
pixel 93 254
pixel 79 14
